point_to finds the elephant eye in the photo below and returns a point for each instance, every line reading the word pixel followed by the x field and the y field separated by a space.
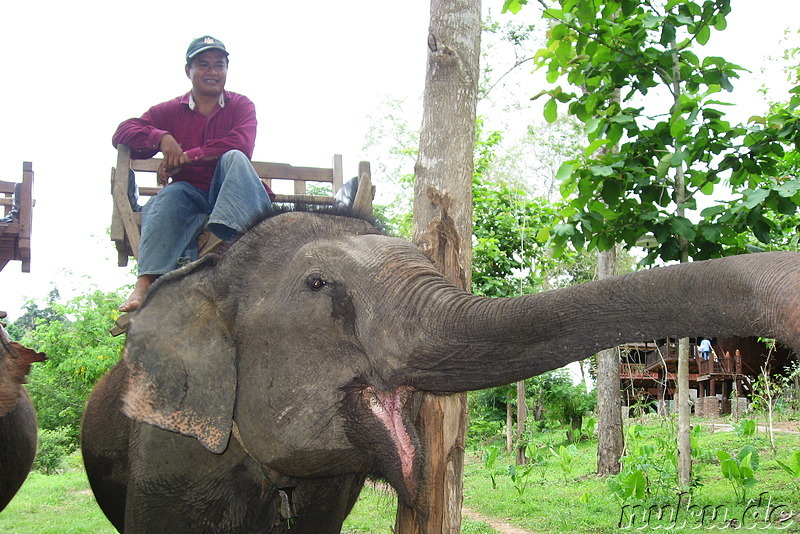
pixel 315 282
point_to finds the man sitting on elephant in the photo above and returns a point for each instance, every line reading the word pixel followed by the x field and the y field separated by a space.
pixel 206 138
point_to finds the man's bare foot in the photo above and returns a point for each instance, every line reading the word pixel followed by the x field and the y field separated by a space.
pixel 139 291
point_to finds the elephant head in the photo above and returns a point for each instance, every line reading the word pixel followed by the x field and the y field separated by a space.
pixel 314 333
pixel 15 363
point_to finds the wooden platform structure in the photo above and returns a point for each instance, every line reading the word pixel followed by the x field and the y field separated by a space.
pixel 722 383
pixel 126 223
pixel 16 201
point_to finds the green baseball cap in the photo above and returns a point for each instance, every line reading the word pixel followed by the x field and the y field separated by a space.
pixel 201 44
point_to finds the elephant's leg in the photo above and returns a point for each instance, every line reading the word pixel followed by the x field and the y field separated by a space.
pixel 17 447
pixel 322 504
pixel 104 443
pixel 177 485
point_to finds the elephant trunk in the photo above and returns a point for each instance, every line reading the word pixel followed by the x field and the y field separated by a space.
pixel 476 342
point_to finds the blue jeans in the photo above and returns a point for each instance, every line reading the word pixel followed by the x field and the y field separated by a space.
pixel 174 218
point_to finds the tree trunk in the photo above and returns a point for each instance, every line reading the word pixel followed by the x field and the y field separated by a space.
pixel 443 231
pixel 509 426
pixel 522 416
pixel 610 441
pixel 684 409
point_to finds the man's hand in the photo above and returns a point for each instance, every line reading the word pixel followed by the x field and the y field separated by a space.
pixel 174 159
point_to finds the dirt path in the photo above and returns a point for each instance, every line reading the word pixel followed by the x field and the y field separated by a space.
pixel 791 427
pixel 500 526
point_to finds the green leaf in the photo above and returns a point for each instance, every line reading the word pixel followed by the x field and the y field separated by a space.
pixel 679 158
pixel 730 468
pixel 564 172
pixel 762 230
pixel 711 232
pixel 594 146
pixel 683 227
pixel 789 188
pixel 543 235
pixel 601 170
pixel 755 198
pixel 677 128
pixel 513 5
pixel 551 13
pixel 703 34
pixel 663 166
pixel 564 229
pixel 551 110
pixel 559 31
pixel 603 210
pixel 638 484
pixel 667 34
pixel 591 125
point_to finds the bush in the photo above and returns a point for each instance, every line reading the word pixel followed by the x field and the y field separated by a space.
pixel 80 349
pixel 54 445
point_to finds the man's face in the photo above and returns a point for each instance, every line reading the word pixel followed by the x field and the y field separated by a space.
pixel 208 72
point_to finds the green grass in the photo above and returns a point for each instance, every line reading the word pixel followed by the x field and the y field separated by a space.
pixel 585 505
pixel 63 503
pixel 55 504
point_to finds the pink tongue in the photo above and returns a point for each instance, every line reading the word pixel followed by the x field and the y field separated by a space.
pixel 388 410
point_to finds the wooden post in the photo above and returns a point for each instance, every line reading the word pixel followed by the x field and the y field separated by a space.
pixel 119 191
pixel 26 216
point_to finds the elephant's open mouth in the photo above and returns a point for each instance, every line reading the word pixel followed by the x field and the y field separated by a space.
pixel 388 407
pixel 381 422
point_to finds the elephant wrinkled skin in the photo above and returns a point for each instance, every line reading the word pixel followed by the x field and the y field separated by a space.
pixel 18 428
pixel 271 381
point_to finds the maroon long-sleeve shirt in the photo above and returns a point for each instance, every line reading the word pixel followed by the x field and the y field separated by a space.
pixel 204 139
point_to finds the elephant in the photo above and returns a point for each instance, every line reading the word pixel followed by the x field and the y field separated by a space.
pixel 18 426
pixel 259 388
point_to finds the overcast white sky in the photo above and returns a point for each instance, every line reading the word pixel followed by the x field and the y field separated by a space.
pixel 315 70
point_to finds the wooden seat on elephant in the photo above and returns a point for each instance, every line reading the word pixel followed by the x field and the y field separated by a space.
pixel 16 201
pixel 289 183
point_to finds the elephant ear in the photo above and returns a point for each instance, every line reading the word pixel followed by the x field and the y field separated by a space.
pixel 181 359
pixel 15 364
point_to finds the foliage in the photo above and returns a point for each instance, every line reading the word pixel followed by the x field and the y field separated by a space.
pixel 490 457
pixel 551 397
pixel 54 445
pixel 650 472
pixel 34 315
pixel 792 466
pixel 79 350
pixel 620 53
pixel 538 457
pixel 564 458
pixel 571 402
pixel 510 254
pixel 519 476
pixel 740 470
pixel 745 428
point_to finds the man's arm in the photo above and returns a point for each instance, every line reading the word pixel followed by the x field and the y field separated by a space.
pixel 141 135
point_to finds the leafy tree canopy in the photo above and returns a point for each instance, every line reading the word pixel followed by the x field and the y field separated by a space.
pixel 75 336
pixel 614 56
